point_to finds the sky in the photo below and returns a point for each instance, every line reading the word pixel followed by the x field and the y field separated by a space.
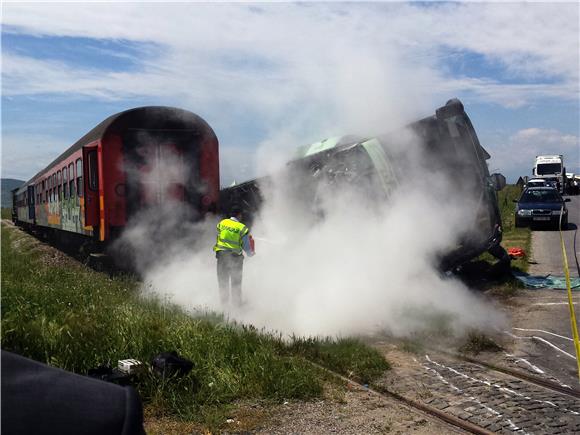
pixel 269 77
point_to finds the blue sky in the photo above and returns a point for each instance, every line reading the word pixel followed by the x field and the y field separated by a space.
pixel 269 77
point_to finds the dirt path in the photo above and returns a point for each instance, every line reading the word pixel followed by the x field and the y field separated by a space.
pixel 353 410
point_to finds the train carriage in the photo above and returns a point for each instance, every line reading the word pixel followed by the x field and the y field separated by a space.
pixel 137 159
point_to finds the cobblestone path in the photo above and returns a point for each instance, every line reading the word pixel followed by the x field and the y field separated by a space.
pixel 494 401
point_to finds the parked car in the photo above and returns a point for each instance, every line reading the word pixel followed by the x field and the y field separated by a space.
pixel 541 205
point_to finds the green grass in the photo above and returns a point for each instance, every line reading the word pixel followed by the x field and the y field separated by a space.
pixel 512 236
pixel 347 356
pixel 6 213
pixel 74 318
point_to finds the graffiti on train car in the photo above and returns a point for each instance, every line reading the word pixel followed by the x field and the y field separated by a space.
pixel 54 213
pixel 71 218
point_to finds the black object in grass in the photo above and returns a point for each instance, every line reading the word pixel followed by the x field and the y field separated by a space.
pixel 168 364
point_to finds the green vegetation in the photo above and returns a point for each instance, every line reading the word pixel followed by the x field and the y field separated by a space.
pixel 513 237
pixel 347 356
pixel 6 213
pixel 477 342
pixel 68 316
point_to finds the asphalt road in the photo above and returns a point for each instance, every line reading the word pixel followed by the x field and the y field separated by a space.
pixel 541 328
pixel 546 250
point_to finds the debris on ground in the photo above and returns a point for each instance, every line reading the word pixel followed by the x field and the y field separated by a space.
pixel 546 281
pixel 516 252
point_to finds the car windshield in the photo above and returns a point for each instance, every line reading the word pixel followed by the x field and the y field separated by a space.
pixel 543 195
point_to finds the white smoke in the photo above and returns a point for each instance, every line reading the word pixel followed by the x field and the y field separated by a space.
pixel 352 265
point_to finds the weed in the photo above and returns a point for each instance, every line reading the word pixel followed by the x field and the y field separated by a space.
pixel 413 346
pixel 477 342
pixel 348 356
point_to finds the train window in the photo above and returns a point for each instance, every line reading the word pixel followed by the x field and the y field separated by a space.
pixel 54 186
pixel 71 174
pixel 65 182
pixel 79 177
pixel 93 173
pixel 58 185
pixel 71 180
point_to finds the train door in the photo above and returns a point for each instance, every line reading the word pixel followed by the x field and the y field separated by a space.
pixel 31 210
pixel 91 186
pixel 161 174
pixel 160 169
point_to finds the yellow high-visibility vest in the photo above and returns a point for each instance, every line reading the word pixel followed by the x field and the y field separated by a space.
pixel 230 234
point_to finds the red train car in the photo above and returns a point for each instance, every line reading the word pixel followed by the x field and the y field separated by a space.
pixel 133 160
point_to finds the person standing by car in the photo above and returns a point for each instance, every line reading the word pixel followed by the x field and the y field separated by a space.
pixel 233 238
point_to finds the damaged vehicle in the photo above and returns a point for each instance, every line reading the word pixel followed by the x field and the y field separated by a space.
pixel 447 145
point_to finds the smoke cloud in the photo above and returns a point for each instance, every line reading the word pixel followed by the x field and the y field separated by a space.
pixel 332 257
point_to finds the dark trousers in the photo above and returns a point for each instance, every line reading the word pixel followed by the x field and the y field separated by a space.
pixel 229 269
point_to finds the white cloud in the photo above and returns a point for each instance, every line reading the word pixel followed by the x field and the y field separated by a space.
pixel 515 157
pixel 23 155
pixel 289 52
pixel 306 70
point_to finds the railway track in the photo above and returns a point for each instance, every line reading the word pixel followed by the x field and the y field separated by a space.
pixel 428 411
pixel 478 397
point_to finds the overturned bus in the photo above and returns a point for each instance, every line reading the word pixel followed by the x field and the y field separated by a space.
pixel 446 143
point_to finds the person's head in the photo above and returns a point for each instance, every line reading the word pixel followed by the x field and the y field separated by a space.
pixel 236 211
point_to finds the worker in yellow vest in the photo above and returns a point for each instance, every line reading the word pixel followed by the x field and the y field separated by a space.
pixel 233 238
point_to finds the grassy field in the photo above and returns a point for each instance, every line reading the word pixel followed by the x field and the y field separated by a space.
pixel 59 312
pixel 6 213
pixel 513 237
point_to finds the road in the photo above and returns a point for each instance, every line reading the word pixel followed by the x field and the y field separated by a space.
pixel 541 327
pixel 546 250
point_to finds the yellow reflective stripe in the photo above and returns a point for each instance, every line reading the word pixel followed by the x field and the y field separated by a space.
pixel 233 242
pixel 102 220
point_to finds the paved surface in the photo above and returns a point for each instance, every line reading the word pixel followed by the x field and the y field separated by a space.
pixel 539 339
pixel 546 250
pixel 541 328
pixel 492 400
